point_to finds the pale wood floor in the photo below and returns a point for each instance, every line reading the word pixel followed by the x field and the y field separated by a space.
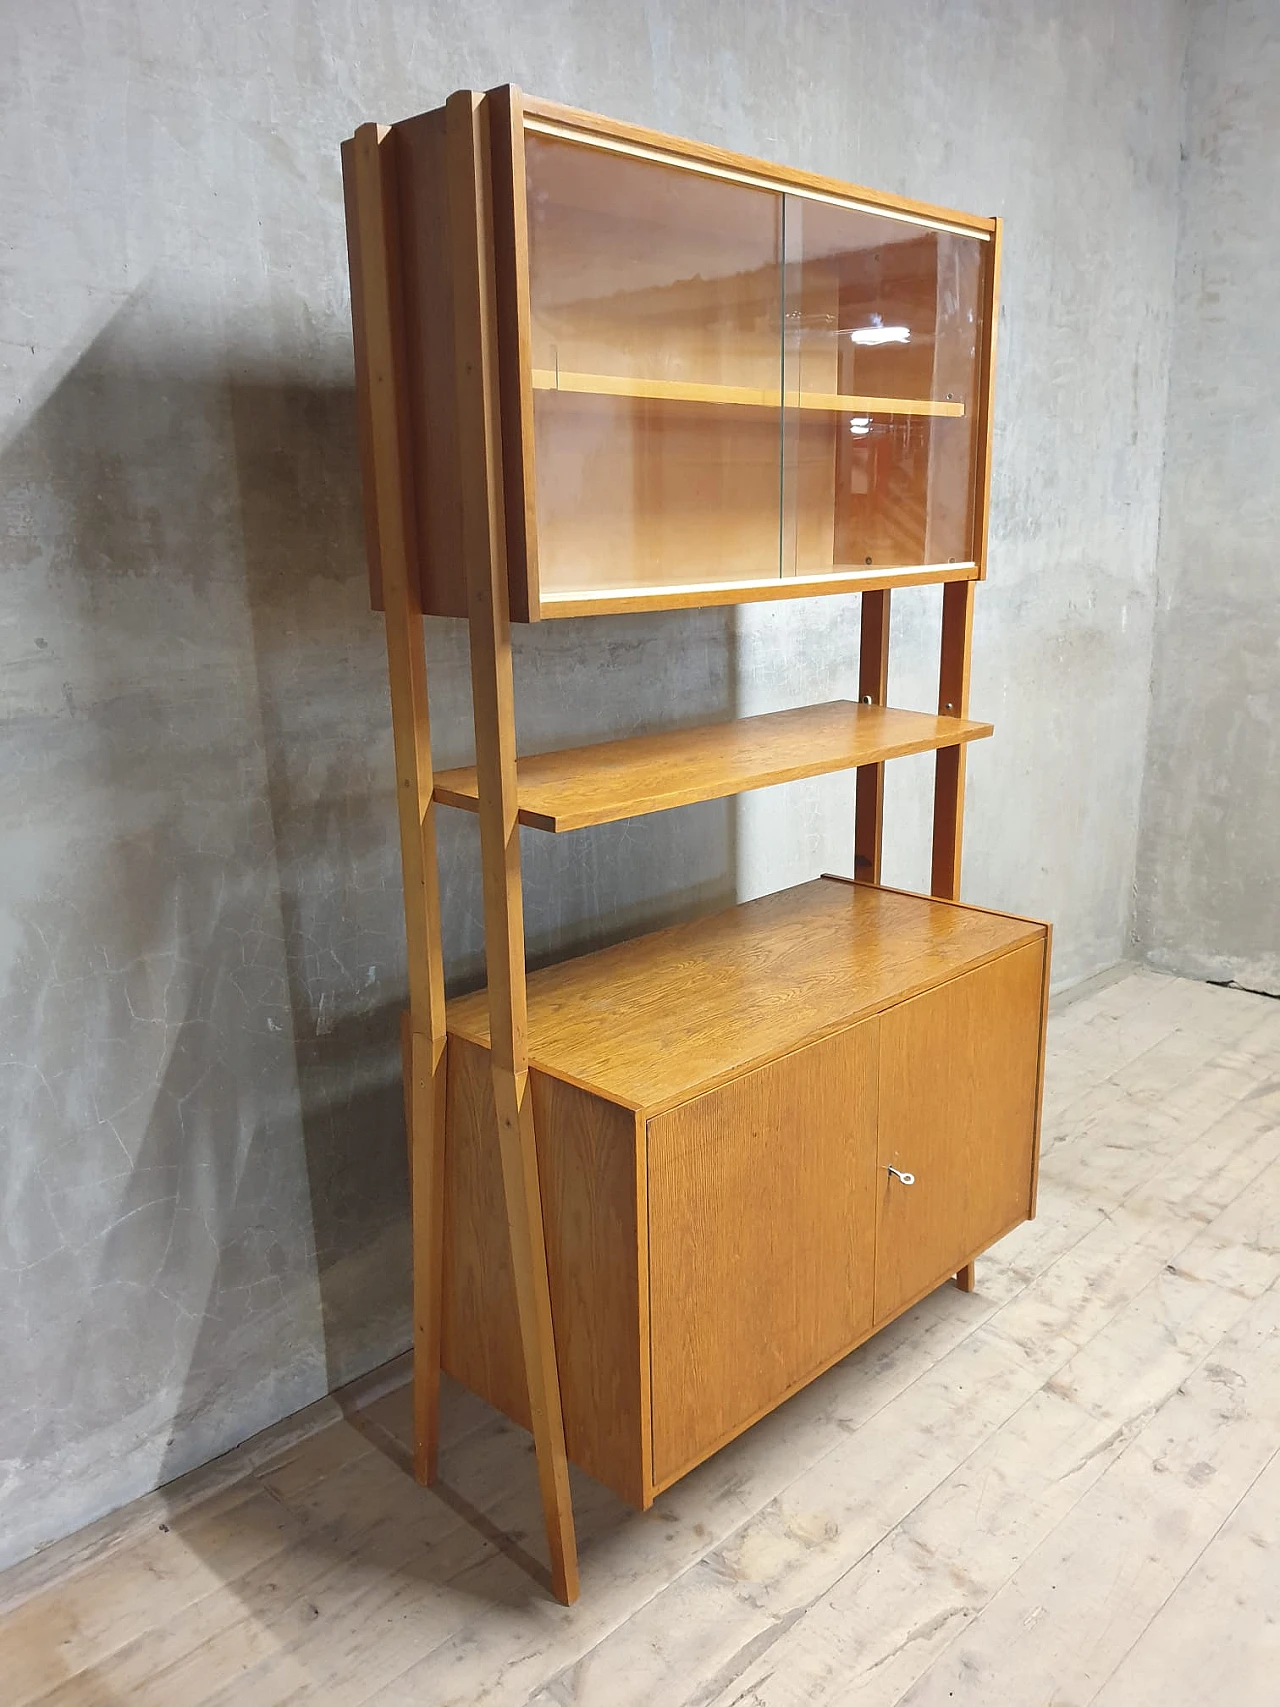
pixel 1063 1488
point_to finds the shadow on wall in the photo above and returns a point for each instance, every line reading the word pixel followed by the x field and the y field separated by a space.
pixel 204 962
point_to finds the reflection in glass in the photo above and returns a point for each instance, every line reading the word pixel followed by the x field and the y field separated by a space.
pixel 882 331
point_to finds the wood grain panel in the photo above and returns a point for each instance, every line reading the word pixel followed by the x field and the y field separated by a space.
pixel 652 1022
pixel 958 1084
pixel 514 345
pixel 364 410
pixel 653 773
pixel 426 287
pixel 590 1172
pixel 760 1240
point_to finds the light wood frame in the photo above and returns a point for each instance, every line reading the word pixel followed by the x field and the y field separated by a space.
pixel 483 287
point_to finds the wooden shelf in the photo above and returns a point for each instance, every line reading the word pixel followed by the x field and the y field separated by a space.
pixel 652 773
pixel 744 396
pixel 655 1021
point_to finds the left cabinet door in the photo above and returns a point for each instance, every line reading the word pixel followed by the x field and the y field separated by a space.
pixel 655 356
pixel 761 1241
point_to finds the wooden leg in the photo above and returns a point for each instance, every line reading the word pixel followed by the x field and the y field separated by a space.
pixel 533 1302
pixel 426 1095
pixel 478 429
pixel 948 787
pixel 406 1073
pixel 368 172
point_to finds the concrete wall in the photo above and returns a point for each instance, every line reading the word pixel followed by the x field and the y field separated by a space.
pixel 1209 871
pixel 201 963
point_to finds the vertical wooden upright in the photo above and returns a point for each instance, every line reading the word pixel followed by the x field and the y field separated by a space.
pixel 484 552
pixel 957 636
pixel 873 689
pixel 957 611
pixel 953 701
pixel 369 179
pixel 948 783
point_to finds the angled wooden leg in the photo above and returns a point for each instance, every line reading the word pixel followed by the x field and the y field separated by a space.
pixel 368 170
pixel 427 1100
pixel 425 1077
pixel 964 1279
pixel 533 1302
pixel 406 1074
pixel 493 703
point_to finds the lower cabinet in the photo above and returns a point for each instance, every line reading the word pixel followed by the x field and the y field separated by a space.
pixel 707 1259
pixel 761 1240
pixel 778 1234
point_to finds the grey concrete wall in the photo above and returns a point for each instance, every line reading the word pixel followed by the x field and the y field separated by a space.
pixel 201 964
pixel 1209 867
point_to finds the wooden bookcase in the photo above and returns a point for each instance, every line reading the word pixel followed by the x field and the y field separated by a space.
pixel 658 1188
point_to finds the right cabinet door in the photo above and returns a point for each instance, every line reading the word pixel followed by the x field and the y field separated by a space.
pixel 959 1072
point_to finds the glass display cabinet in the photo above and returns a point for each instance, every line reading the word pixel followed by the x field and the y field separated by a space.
pixel 718 382
pixel 733 384
pixel 658 1188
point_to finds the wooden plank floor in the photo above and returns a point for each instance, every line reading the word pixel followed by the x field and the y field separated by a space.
pixel 1061 1488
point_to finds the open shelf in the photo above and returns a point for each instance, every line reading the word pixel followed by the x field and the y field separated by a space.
pixel 652 773
pixel 652 1022
pixel 744 396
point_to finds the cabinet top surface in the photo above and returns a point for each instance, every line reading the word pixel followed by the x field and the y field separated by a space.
pixel 655 1021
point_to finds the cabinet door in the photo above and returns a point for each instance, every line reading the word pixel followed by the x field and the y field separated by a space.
pixel 761 1225
pixel 884 330
pixel 959 1070
pixel 655 312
